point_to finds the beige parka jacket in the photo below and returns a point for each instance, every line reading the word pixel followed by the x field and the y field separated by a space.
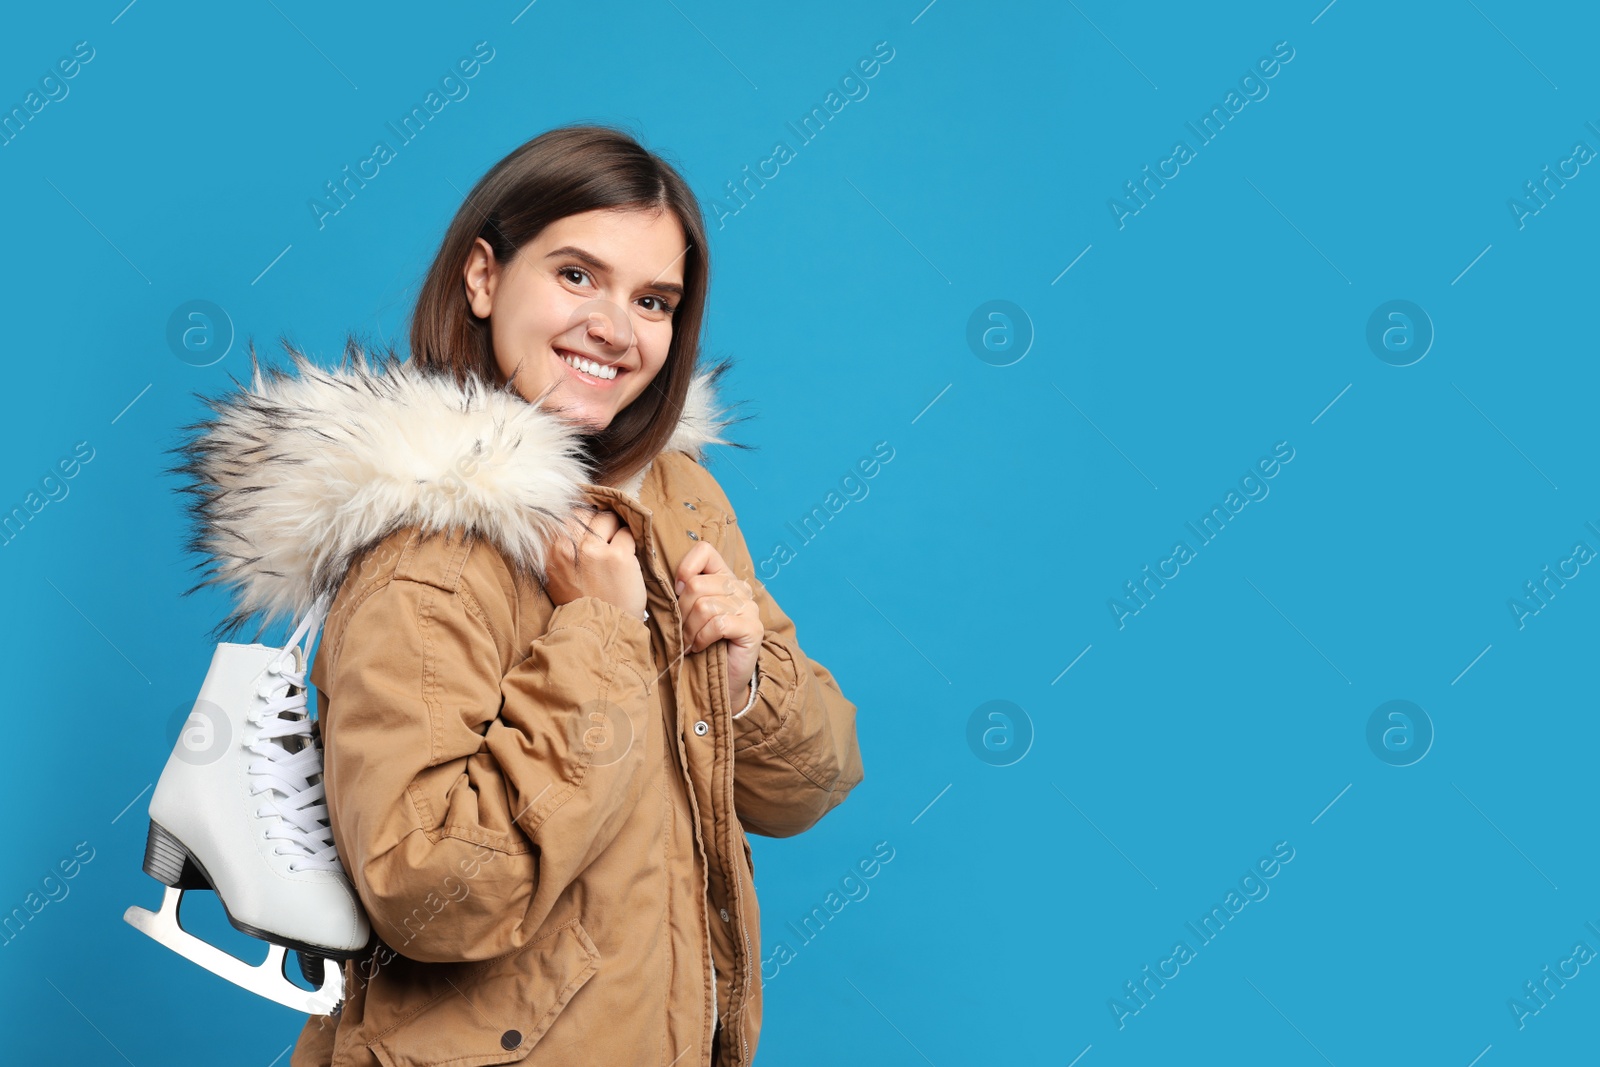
pixel 543 808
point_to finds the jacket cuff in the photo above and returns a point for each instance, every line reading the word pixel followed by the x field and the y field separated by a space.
pixel 775 680
pixel 750 700
pixel 622 633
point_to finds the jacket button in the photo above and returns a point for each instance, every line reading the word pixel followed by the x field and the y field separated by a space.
pixel 510 1039
pixel 700 728
pixel 692 535
pixel 724 914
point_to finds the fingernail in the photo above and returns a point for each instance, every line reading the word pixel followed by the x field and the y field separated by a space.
pixel 680 588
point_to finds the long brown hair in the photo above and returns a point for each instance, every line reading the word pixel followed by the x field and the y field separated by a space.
pixel 561 172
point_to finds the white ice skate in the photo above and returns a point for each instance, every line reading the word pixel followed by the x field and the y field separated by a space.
pixel 240 808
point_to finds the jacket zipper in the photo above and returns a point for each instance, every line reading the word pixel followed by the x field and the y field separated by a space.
pixel 744 1003
pixel 719 670
pixel 711 952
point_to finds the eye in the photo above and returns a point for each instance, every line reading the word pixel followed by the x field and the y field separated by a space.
pixel 564 271
pixel 661 304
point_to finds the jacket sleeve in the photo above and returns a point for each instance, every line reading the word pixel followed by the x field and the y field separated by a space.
pixel 466 794
pixel 795 749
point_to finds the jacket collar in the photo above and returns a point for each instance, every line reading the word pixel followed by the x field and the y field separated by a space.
pixel 297 475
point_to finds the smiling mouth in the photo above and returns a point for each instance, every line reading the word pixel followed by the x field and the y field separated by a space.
pixel 588 371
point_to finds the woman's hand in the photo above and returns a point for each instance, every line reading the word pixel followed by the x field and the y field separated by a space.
pixel 717 605
pixel 600 561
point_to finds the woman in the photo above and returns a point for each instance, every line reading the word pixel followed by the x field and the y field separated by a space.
pixel 553 696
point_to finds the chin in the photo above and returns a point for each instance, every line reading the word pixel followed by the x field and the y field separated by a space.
pixel 589 422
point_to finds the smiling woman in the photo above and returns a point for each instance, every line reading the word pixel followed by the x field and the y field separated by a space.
pixel 554 698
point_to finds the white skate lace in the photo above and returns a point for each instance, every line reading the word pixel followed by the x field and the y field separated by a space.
pixel 289 760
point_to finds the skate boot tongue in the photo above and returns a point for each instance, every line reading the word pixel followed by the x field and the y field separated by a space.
pixel 296 741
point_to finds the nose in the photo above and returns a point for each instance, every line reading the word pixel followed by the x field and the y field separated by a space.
pixel 601 329
pixel 606 326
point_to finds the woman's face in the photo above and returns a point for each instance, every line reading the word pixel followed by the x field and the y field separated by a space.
pixel 599 286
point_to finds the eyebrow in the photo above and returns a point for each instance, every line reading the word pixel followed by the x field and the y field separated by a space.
pixel 573 252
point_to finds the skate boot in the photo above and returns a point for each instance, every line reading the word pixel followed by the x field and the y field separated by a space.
pixel 240 809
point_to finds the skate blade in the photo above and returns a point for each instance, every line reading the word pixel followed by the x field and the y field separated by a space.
pixel 266 979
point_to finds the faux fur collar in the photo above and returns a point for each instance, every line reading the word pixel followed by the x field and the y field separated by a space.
pixel 297 475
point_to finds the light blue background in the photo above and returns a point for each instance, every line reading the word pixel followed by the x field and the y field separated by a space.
pixel 1224 317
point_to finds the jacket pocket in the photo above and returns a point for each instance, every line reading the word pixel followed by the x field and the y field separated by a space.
pixel 497 1012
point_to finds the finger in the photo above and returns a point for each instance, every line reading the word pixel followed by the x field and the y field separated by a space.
pixel 688 604
pixel 741 617
pixel 702 558
pixel 690 565
pixel 604 524
pixel 697 588
pixel 622 530
pixel 580 522
pixel 573 531
pixel 704 623
pixel 722 621
pixel 714 563
pixel 695 606
pixel 738 590
pixel 732 590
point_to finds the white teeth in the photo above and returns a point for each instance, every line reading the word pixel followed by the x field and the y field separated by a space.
pixel 589 367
